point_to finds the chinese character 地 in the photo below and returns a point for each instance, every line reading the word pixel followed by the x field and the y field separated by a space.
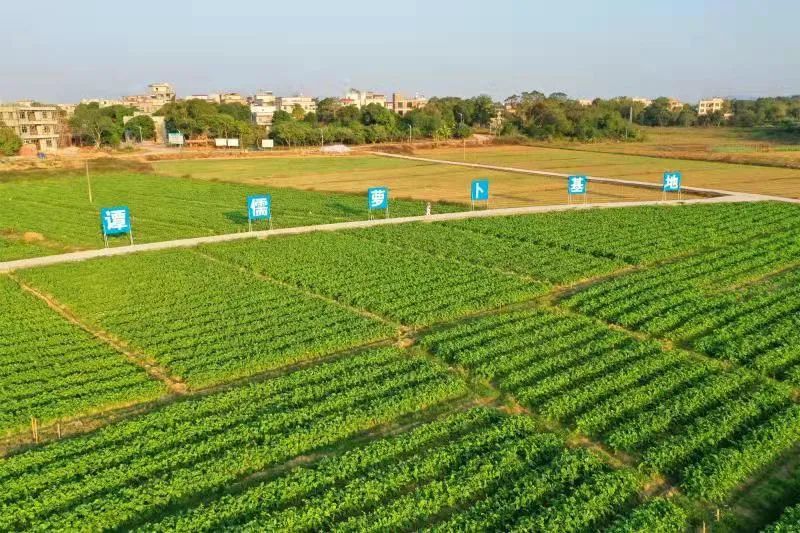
pixel 259 207
pixel 116 220
pixel 576 185
pixel 377 197
pixel 672 181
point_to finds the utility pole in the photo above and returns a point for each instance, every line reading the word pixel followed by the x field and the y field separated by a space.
pixel 89 183
pixel 322 133
pixel 409 134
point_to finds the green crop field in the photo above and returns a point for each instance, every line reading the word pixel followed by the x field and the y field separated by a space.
pixel 48 214
pixel 628 370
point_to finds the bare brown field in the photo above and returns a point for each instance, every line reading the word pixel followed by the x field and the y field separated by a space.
pixel 407 179
pixel 705 174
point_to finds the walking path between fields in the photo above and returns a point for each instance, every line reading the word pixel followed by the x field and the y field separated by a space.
pixel 616 181
pixel 71 257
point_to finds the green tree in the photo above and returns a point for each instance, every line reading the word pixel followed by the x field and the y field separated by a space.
pixel 281 116
pixel 347 115
pixel 141 127
pixel 95 126
pixel 483 110
pixel 10 142
pixel 297 112
pixel 377 114
pixel 236 110
pixel 326 110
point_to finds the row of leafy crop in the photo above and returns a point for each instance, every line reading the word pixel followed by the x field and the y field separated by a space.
pixel 644 234
pixel 132 472
pixel 707 427
pixel 50 369
pixel 407 286
pixel 538 261
pixel 789 522
pixel 204 321
pixel 163 207
pixel 689 300
pixel 477 470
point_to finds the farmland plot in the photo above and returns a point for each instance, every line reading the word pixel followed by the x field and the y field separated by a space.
pixel 478 470
pixel 645 234
pixel 162 208
pixel 709 428
pixel 695 300
pixel 204 321
pixel 51 369
pixel 411 287
pixel 132 472
pixel 538 261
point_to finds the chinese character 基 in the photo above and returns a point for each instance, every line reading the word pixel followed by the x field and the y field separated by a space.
pixel 577 184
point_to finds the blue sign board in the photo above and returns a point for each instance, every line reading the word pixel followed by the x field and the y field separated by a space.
pixel 378 198
pixel 480 190
pixel 115 220
pixel 672 181
pixel 259 207
pixel 576 185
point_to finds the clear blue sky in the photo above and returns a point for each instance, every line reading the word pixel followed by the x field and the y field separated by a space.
pixel 61 51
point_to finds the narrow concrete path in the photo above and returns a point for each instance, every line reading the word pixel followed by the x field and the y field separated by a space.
pixel 599 179
pixel 34 262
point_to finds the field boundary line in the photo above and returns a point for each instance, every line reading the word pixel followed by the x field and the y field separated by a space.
pixel 145 362
pixel 598 179
pixel 72 257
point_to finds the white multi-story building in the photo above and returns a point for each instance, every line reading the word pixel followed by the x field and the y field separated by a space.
pixel 159 95
pixel 363 98
pixel 264 98
pixel 705 107
pixel 35 124
pixel 262 114
pixel 287 103
pixel 402 105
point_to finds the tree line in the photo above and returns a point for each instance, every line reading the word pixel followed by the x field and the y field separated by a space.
pixel 440 119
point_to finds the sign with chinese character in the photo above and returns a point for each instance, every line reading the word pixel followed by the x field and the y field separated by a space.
pixel 672 181
pixel 480 190
pixel 259 207
pixel 576 185
pixel 115 220
pixel 377 198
